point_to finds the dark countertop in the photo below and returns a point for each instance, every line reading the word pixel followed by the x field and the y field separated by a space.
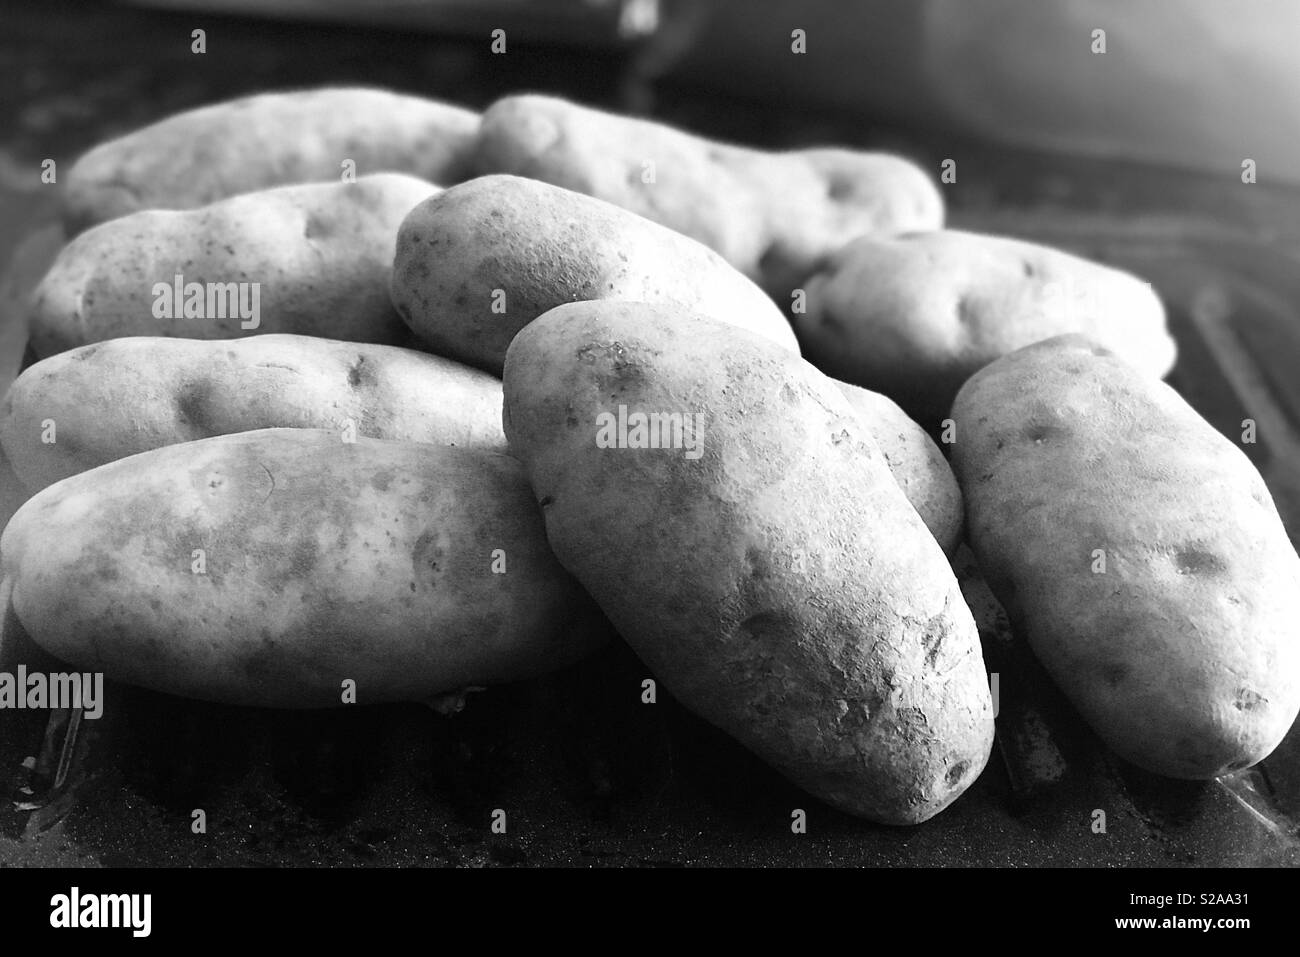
pixel 586 773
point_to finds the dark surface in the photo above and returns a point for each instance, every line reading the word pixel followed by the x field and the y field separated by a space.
pixel 586 773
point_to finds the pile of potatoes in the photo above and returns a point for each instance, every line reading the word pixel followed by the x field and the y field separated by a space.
pixel 344 386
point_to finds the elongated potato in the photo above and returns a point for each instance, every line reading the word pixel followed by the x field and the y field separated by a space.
pixel 258 142
pixel 102 402
pixel 268 568
pixel 1138 551
pixel 914 460
pixel 478 262
pixel 915 317
pixel 773 216
pixel 761 559
pixel 312 259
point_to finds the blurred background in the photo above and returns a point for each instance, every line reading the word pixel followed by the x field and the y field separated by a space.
pixel 1191 83
pixel 1132 156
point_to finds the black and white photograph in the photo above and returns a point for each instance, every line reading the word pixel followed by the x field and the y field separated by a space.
pixel 622 438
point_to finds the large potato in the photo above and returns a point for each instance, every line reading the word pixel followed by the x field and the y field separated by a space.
pixel 914 460
pixel 766 566
pixel 105 401
pixel 1138 551
pixel 771 215
pixel 313 259
pixel 271 139
pixel 478 262
pixel 915 317
pixel 412 570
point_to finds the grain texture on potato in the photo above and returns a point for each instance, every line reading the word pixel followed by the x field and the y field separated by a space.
pixel 478 262
pixel 313 259
pixel 916 463
pixel 777 582
pixel 102 402
pixel 267 568
pixel 772 215
pixel 259 142
pixel 1139 553
pixel 914 317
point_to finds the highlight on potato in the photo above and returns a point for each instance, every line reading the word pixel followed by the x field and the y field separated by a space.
pixel 478 262
pixel 1138 551
pixel 308 259
pixel 268 567
pixel 773 216
pixel 914 316
pixel 792 596
pixel 259 142
pixel 102 402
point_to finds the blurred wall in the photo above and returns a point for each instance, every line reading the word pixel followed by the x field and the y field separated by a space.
pixel 1197 83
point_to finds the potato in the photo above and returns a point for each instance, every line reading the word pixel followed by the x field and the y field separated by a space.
pixel 108 400
pixel 914 460
pixel 313 259
pixel 915 317
pixel 258 142
pixel 771 215
pixel 1139 553
pixel 268 568
pixel 762 561
pixel 478 262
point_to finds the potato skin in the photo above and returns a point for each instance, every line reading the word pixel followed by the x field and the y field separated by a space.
pixel 915 316
pixel 259 142
pixel 915 461
pixel 779 585
pixel 321 252
pixel 325 561
pixel 1184 655
pixel 771 215
pixel 112 399
pixel 543 246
